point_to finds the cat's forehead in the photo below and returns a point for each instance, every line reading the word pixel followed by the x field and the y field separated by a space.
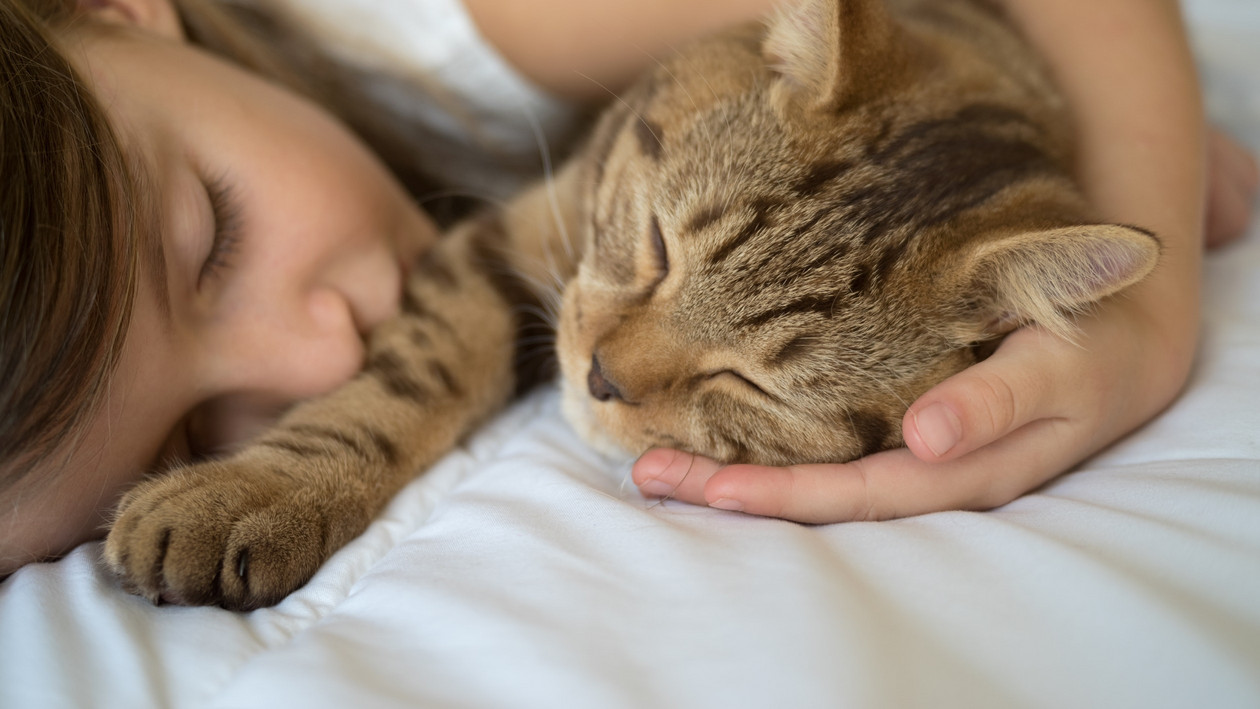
pixel 786 219
pixel 715 140
pixel 731 187
pixel 709 73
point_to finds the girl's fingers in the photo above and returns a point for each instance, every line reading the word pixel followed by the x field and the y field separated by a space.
pixel 887 485
pixel 1019 384
pixel 1233 180
pixel 662 472
pixel 977 440
pixel 895 483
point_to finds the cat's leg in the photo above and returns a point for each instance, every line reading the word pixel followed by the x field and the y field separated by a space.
pixel 246 530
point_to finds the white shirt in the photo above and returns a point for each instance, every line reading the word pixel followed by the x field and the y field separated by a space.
pixel 481 104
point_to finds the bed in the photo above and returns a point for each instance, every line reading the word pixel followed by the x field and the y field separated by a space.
pixel 526 571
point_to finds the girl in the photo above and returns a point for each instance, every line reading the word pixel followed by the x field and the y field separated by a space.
pixel 191 242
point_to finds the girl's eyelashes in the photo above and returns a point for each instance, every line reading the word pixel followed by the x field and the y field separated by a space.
pixel 227 220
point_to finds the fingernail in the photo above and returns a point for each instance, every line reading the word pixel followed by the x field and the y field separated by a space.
pixel 656 488
pixel 726 503
pixel 939 428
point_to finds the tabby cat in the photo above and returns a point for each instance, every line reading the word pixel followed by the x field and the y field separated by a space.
pixel 771 245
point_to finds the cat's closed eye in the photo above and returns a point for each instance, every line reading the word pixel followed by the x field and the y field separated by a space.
pixel 743 380
pixel 659 253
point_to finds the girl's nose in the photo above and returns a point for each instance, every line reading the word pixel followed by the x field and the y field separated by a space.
pixel 304 349
pixel 269 359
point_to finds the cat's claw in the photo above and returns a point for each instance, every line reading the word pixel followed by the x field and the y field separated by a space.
pixel 219 533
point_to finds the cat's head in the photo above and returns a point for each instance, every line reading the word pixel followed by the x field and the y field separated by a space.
pixel 793 231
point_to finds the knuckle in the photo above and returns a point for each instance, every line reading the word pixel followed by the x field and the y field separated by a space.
pixel 994 402
pixel 865 508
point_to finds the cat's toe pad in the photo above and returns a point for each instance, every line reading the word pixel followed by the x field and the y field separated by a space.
pixel 219 534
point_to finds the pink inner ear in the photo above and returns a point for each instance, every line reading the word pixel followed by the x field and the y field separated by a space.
pixel 1045 276
pixel 1113 263
pixel 1110 261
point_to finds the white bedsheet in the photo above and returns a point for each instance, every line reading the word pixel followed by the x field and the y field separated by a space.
pixel 525 571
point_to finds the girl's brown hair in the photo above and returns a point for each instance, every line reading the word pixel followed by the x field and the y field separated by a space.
pixel 67 262
pixel 71 209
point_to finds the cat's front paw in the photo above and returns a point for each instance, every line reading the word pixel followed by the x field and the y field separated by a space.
pixel 227 533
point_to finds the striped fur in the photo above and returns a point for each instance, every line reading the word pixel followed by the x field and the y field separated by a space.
pixel 850 201
pixel 770 245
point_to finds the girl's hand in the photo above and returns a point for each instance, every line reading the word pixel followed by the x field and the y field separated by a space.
pixel 978 440
pixel 1001 428
pixel 1233 179
pixel 1041 405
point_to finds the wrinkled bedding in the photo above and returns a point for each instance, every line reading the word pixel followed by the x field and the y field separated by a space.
pixel 526 571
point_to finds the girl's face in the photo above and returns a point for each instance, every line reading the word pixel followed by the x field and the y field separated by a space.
pixel 281 241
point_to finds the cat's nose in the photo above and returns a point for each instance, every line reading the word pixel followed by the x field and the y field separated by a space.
pixel 599 386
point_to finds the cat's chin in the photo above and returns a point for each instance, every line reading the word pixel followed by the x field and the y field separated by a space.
pixel 576 408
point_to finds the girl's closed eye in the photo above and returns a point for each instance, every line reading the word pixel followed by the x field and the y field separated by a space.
pixel 227 222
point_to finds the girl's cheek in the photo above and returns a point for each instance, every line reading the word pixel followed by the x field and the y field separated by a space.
pixel 222 425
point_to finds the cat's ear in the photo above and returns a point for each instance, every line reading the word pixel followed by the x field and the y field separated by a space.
pixel 1046 276
pixel 836 53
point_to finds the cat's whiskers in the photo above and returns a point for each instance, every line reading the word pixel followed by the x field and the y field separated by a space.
pixel 544 340
pixel 716 100
pixel 627 481
pixel 496 202
pixel 848 415
pixel 549 266
pixel 553 200
pixel 551 286
pixel 664 67
pixel 546 316
pixel 637 114
pixel 551 291
pixel 541 352
pixel 660 500
pixel 869 361
pixel 553 300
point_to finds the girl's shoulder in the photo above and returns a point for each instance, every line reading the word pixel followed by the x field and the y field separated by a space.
pixel 430 62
